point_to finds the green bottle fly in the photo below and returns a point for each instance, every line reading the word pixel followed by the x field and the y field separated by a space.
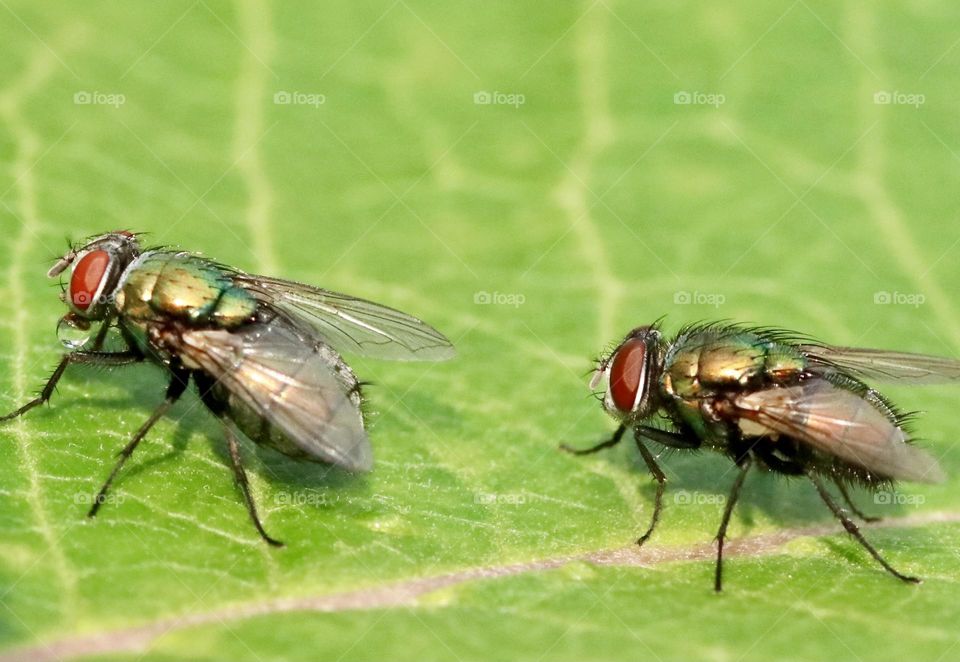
pixel 264 353
pixel 769 399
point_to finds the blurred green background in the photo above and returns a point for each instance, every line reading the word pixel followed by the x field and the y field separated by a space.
pixel 534 178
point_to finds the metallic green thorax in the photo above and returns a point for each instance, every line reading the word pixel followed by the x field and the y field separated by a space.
pixel 706 361
pixel 164 285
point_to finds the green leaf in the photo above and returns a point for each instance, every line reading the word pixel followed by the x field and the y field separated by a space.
pixel 534 179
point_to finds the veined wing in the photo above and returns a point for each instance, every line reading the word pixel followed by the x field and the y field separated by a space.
pixel 883 365
pixel 351 325
pixel 840 423
pixel 287 383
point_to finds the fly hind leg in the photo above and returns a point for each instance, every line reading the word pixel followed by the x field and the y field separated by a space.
pixel 850 504
pixel 854 530
pixel 209 397
pixel 241 477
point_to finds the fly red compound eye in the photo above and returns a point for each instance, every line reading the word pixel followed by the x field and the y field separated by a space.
pixel 627 373
pixel 87 277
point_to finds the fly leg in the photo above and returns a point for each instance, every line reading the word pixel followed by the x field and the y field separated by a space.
pixel 744 465
pixel 241 478
pixel 669 439
pixel 205 387
pixel 79 357
pixel 658 476
pixel 854 531
pixel 850 504
pixel 178 384
pixel 612 441
pixel 102 335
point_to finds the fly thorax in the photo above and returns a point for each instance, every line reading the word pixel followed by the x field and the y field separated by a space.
pixel 732 362
pixel 681 375
pixel 164 285
pixel 136 290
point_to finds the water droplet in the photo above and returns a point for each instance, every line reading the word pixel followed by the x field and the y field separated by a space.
pixel 73 332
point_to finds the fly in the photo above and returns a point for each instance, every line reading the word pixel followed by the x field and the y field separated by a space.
pixel 770 399
pixel 263 353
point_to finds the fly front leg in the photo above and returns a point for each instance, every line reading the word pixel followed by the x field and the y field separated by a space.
pixel 658 476
pixel 241 477
pixel 744 465
pixel 612 441
pixel 669 439
pixel 178 384
pixel 655 471
pixel 101 336
pixel 78 357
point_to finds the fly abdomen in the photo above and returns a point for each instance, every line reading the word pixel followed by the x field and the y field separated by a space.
pixel 261 428
pixel 847 430
pixel 283 390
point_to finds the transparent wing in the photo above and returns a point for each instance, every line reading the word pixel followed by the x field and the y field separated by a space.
pixel 351 325
pixel 882 365
pixel 288 382
pixel 840 423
